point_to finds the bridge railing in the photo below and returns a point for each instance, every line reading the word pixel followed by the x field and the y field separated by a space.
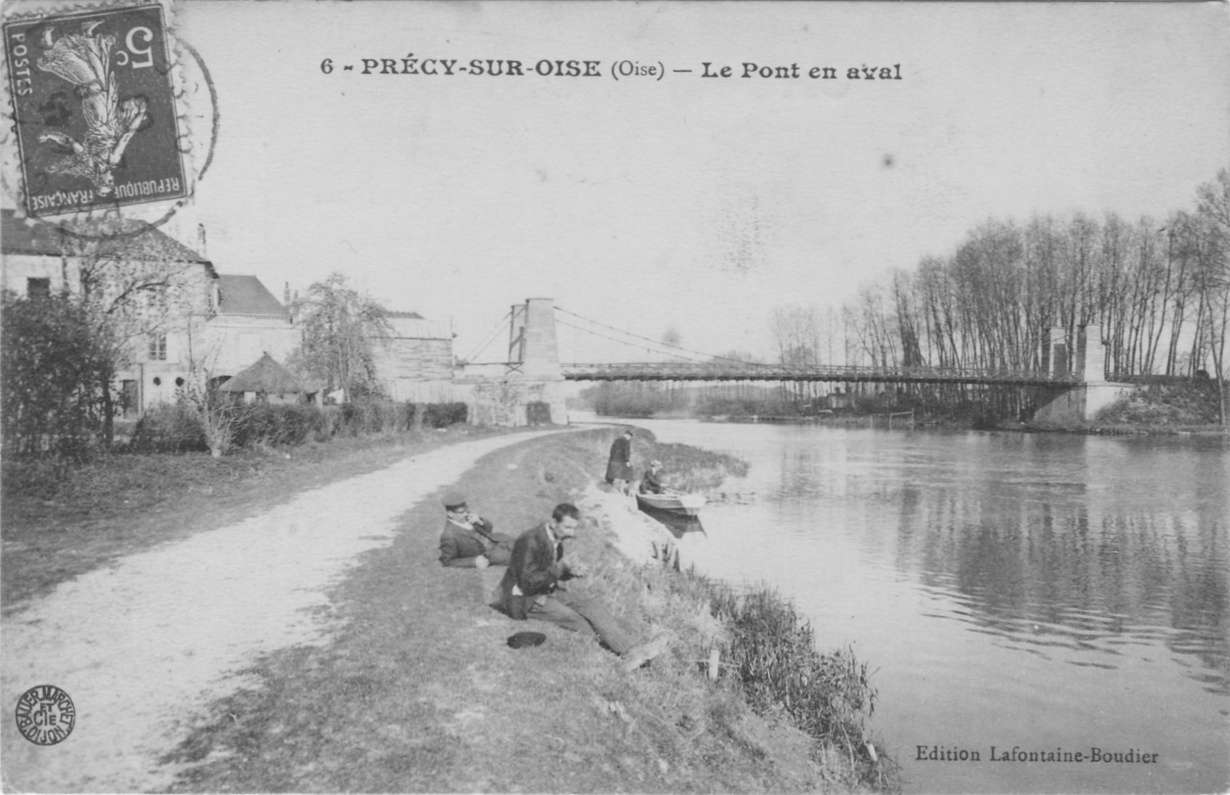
pixel 713 371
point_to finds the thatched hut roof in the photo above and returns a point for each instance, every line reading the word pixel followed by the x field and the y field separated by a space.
pixel 265 376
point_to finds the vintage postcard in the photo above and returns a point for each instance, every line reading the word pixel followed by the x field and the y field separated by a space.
pixel 915 314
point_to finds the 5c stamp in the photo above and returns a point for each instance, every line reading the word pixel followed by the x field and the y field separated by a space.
pixel 45 715
pixel 94 109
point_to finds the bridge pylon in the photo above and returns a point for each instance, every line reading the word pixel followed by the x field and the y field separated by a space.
pixel 533 349
pixel 526 388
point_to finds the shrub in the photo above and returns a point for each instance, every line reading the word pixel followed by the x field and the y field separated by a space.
pixel 538 412
pixel 279 424
pixel 442 415
pixel 168 428
pixel 374 416
pixel 772 651
pixel 53 363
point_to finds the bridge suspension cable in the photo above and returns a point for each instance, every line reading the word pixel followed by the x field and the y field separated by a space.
pixel 706 356
pixel 482 346
pixel 638 346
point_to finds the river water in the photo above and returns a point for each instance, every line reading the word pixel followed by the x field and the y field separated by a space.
pixel 1043 592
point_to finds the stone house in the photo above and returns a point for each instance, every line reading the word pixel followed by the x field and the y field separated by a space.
pixel 214 323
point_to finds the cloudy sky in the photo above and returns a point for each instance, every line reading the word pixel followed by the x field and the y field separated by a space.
pixel 687 203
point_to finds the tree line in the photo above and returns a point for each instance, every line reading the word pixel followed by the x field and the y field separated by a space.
pixel 1158 288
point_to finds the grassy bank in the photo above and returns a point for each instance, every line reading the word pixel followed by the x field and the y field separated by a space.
pixel 60 520
pixel 417 691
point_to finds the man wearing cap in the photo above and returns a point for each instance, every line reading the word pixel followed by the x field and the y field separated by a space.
pixel 619 464
pixel 652 483
pixel 468 540
pixel 531 589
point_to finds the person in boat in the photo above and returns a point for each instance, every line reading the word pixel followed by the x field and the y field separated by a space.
pixel 619 464
pixel 468 540
pixel 652 483
pixel 532 588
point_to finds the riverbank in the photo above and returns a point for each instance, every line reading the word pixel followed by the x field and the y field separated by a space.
pixel 144 645
pixel 417 691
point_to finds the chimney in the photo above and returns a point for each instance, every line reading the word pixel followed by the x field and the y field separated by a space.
pixel 200 241
pixel 286 294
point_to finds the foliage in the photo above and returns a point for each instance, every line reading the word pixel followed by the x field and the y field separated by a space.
pixel 372 416
pixel 218 413
pixel 634 399
pixel 341 329
pixel 773 654
pixel 1159 291
pixel 173 428
pixel 442 415
pixel 1173 406
pixel 279 425
pixel 378 416
pixel 54 362
pixel 538 412
pixel 687 468
pixel 498 402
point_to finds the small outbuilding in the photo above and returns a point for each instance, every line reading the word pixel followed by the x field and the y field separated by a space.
pixel 268 380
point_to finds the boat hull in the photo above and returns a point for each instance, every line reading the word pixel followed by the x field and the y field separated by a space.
pixel 682 504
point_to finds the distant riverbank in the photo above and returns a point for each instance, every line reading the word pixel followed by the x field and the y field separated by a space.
pixel 1171 408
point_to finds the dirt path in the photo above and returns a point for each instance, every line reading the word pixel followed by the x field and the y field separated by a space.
pixel 144 646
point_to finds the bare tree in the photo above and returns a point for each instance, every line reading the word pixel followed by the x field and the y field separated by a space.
pixel 133 282
pixel 341 329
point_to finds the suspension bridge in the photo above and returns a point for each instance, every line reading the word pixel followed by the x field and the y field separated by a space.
pixel 1072 381
pixel 533 349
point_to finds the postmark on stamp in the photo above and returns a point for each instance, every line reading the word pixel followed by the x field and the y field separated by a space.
pixel 45 715
pixel 94 108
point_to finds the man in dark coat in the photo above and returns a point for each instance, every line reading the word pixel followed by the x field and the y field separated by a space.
pixel 531 588
pixel 619 465
pixel 468 540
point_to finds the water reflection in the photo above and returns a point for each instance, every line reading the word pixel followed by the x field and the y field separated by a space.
pixel 1053 575
pixel 1043 542
pixel 1041 589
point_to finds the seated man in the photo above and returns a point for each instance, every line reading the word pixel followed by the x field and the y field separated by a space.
pixel 530 589
pixel 652 482
pixel 467 540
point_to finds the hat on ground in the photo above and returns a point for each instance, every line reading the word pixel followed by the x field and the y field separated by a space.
pixel 526 639
pixel 655 463
pixel 454 500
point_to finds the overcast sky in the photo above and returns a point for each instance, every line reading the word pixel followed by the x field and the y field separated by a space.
pixel 685 203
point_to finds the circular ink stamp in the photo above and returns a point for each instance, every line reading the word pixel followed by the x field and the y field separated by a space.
pixel 45 715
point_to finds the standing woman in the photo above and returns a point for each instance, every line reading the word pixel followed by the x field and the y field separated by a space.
pixel 619 465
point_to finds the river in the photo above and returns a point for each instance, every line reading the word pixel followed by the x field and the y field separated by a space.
pixel 1048 593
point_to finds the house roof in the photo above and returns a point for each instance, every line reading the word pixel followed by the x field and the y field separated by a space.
pixel 404 316
pixel 246 295
pixel 32 236
pixel 265 376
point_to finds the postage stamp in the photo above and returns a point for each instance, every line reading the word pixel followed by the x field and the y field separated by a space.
pixel 94 108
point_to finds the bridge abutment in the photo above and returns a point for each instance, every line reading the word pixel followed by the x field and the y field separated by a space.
pixel 531 387
pixel 1083 401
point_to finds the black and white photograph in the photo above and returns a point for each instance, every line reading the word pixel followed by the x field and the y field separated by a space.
pixel 582 397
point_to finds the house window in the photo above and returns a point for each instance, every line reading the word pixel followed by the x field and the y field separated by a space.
pixel 158 348
pixel 38 288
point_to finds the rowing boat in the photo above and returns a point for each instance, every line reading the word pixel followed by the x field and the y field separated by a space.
pixel 686 504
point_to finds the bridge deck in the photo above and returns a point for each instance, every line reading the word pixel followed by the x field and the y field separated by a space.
pixel 684 371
